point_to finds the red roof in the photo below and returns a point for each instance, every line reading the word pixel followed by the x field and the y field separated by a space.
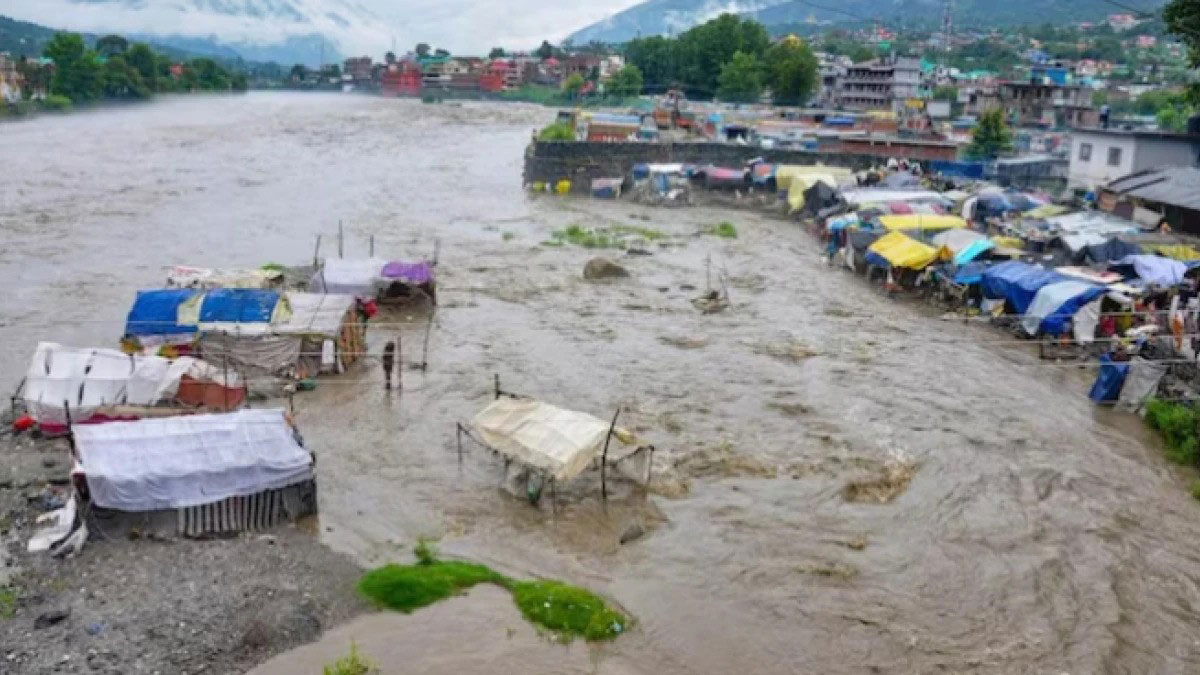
pixel 552 61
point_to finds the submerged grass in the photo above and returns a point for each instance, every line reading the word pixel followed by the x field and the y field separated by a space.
pixel 611 237
pixel 1177 424
pixel 351 664
pixel 8 602
pixel 568 610
pixel 725 230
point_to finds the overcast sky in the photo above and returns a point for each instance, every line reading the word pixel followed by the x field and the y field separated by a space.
pixel 462 26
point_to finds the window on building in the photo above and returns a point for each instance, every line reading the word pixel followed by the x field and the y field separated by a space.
pixel 1114 156
pixel 1085 152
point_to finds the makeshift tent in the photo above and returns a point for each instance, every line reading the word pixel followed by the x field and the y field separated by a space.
pixel 921 222
pixel 349 277
pixel 798 188
pixel 1017 282
pixel 1046 211
pixel 786 173
pixel 859 196
pixel 182 276
pixel 1109 381
pixel 556 442
pixel 186 461
pixel 1180 252
pixel 966 245
pixel 1153 269
pixel 98 384
pixel 607 188
pixel 1055 304
pixel 715 177
pixel 820 197
pixel 156 313
pixel 895 249
pixel 1112 249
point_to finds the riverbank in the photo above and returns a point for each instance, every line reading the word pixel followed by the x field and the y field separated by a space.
pixel 140 602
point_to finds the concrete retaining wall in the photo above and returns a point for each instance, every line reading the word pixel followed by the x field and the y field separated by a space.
pixel 580 162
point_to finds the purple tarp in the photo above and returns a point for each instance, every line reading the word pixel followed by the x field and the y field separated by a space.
pixel 413 273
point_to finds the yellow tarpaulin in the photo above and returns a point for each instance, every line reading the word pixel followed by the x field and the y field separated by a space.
pixel 1008 242
pixel 1046 211
pixel 922 221
pixel 1180 252
pixel 900 250
pixel 795 179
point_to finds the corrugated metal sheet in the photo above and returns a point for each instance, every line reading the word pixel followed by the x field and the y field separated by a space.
pixel 256 512
pixel 1171 185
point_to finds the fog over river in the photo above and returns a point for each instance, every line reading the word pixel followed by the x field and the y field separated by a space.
pixel 1039 534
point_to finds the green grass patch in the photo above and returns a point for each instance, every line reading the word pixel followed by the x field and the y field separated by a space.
pixel 8 602
pixel 568 610
pixel 619 236
pixel 351 664
pixel 725 230
pixel 1196 489
pixel 559 131
pixel 508 236
pixel 1177 424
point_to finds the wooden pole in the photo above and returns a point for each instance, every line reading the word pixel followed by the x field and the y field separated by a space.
pixel 317 252
pixel 497 381
pixel 341 240
pixel 70 429
pixel 458 429
pixel 604 457
pixel 399 361
pixel 425 346
pixel 225 369
pixel 372 245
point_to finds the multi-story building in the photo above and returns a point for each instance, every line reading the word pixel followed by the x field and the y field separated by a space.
pixel 880 84
pixel 1038 103
pixel 357 70
pixel 10 79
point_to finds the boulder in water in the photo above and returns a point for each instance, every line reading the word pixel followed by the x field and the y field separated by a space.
pixel 603 268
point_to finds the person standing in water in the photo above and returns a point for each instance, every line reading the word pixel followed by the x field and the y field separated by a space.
pixel 389 361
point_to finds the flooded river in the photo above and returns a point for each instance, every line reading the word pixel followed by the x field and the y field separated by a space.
pixel 1038 534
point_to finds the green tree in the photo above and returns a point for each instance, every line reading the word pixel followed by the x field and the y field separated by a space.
pixel 545 51
pixel 111 45
pixel 141 58
pixel 122 81
pixel 626 82
pixel 441 52
pixel 573 84
pixel 497 53
pixel 78 73
pixel 741 79
pixel 239 82
pixel 422 50
pixel 991 136
pixel 390 57
pixel 705 49
pixel 655 58
pixel 791 71
pixel 1099 98
pixel 210 76
pixel 1182 18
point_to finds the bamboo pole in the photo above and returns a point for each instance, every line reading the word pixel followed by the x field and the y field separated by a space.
pixel 317 252
pixel 425 346
pixel 341 240
pixel 604 456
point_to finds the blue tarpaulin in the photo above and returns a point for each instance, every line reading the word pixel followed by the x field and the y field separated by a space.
pixel 157 312
pixel 1056 304
pixel 238 305
pixel 958 169
pixel 971 273
pixel 1109 381
pixel 1017 282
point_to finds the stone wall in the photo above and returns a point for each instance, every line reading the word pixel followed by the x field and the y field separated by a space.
pixel 580 162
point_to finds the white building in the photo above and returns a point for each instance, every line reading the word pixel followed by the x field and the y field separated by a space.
pixel 1099 156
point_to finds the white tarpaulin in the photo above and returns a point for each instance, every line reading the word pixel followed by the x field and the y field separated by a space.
pixel 89 379
pixel 182 276
pixel 1140 384
pixel 1085 322
pixel 314 314
pixel 349 277
pixel 559 442
pixel 180 462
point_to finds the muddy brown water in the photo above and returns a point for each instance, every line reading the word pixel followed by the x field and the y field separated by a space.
pixel 1037 534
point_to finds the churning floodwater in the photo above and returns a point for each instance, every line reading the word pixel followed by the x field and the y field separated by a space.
pixel 1038 533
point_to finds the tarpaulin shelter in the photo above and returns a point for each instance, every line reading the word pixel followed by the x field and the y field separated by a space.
pixel 1109 380
pixel 786 174
pixel 1017 282
pixel 925 222
pixel 103 384
pixel 819 197
pixel 557 444
pixel 1112 249
pixel 898 250
pixel 1055 304
pixel 359 277
pixel 858 196
pixel 1180 252
pixel 607 188
pixel 182 276
pixel 716 177
pixel 156 313
pixel 188 461
pixel 1153 269
pixel 966 245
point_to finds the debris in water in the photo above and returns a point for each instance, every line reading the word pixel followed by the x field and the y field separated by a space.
pixel 722 461
pixel 789 349
pixel 881 489
pixel 684 341
pixel 789 409
pixel 711 302
pixel 603 268
pixel 829 570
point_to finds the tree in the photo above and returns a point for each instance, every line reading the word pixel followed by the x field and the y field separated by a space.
pixel 573 84
pixel 626 82
pixel 991 136
pixel 111 45
pixel 389 58
pixel 77 70
pixel 705 49
pixel 654 57
pixel 545 51
pixel 497 53
pixel 741 79
pixel 422 50
pixel 141 58
pixel 1182 18
pixel 122 81
pixel 441 52
pixel 791 71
